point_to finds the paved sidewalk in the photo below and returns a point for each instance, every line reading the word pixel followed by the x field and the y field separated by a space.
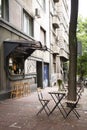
pixel 16 114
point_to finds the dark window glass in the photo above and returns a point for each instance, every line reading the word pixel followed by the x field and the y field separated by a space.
pixel 4 9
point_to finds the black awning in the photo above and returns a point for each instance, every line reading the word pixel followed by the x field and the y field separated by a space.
pixel 21 48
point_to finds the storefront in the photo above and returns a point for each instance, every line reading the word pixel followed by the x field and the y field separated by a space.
pixel 15 54
pixel 21 60
pixel 18 66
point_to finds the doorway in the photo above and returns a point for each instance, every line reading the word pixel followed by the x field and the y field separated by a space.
pixel 39 74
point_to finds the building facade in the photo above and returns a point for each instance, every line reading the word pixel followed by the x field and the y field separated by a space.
pixel 59 43
pixel 33 42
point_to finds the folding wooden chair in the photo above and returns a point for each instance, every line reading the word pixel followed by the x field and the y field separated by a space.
pixel 72 106
pixel 44 102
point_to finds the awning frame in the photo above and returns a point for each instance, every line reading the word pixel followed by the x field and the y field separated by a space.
pixel 24 47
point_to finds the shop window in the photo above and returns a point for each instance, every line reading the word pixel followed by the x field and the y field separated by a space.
pixel 4 9
pixel 16 66
pixel 19 66
pixel 28 24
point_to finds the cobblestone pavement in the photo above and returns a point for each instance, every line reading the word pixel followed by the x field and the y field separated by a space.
pixel 20 113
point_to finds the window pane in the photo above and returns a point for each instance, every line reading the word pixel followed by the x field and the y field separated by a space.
pixel 43 36
pixel 4 9
pixel 28 24
pixel 0 8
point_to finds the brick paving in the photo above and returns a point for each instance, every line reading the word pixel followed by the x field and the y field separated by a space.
pixel 20 113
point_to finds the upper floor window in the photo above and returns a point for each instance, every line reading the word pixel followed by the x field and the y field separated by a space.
pixel 4 9
pixel 0 8
pixel 42 3
pixel 28 24
pixel 43 36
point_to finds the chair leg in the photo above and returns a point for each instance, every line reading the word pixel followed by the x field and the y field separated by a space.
pixel 74 111
pixel 63 109
pixel 44 106
pixel 48 108
pixel 62 112
pixel 42 110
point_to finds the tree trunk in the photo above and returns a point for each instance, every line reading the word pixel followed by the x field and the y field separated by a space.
pixel 73 51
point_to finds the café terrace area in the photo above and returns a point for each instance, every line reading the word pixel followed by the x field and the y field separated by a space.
pixel 22 113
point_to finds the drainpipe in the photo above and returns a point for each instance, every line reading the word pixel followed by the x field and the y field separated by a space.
pixel 50 48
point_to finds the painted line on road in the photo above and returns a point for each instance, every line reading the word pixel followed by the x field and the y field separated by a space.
pixel 15 125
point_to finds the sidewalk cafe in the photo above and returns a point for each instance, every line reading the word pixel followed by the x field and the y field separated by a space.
pixel 59 97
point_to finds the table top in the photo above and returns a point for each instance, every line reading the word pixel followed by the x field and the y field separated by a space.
pixel 58 92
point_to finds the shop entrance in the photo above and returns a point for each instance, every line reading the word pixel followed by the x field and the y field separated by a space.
pixel 39 74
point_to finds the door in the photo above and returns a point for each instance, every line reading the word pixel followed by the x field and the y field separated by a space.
pixel 39 75
pixel 46 75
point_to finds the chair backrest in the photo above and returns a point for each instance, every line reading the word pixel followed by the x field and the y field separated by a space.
pixel 79 91
pixel 40 95
pixel 78 97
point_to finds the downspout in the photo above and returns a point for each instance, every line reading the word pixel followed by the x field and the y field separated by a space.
pixel 50 48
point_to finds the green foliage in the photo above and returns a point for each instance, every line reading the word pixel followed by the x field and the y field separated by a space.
pixel 82 65
pixel 82 32
pixel 82 36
